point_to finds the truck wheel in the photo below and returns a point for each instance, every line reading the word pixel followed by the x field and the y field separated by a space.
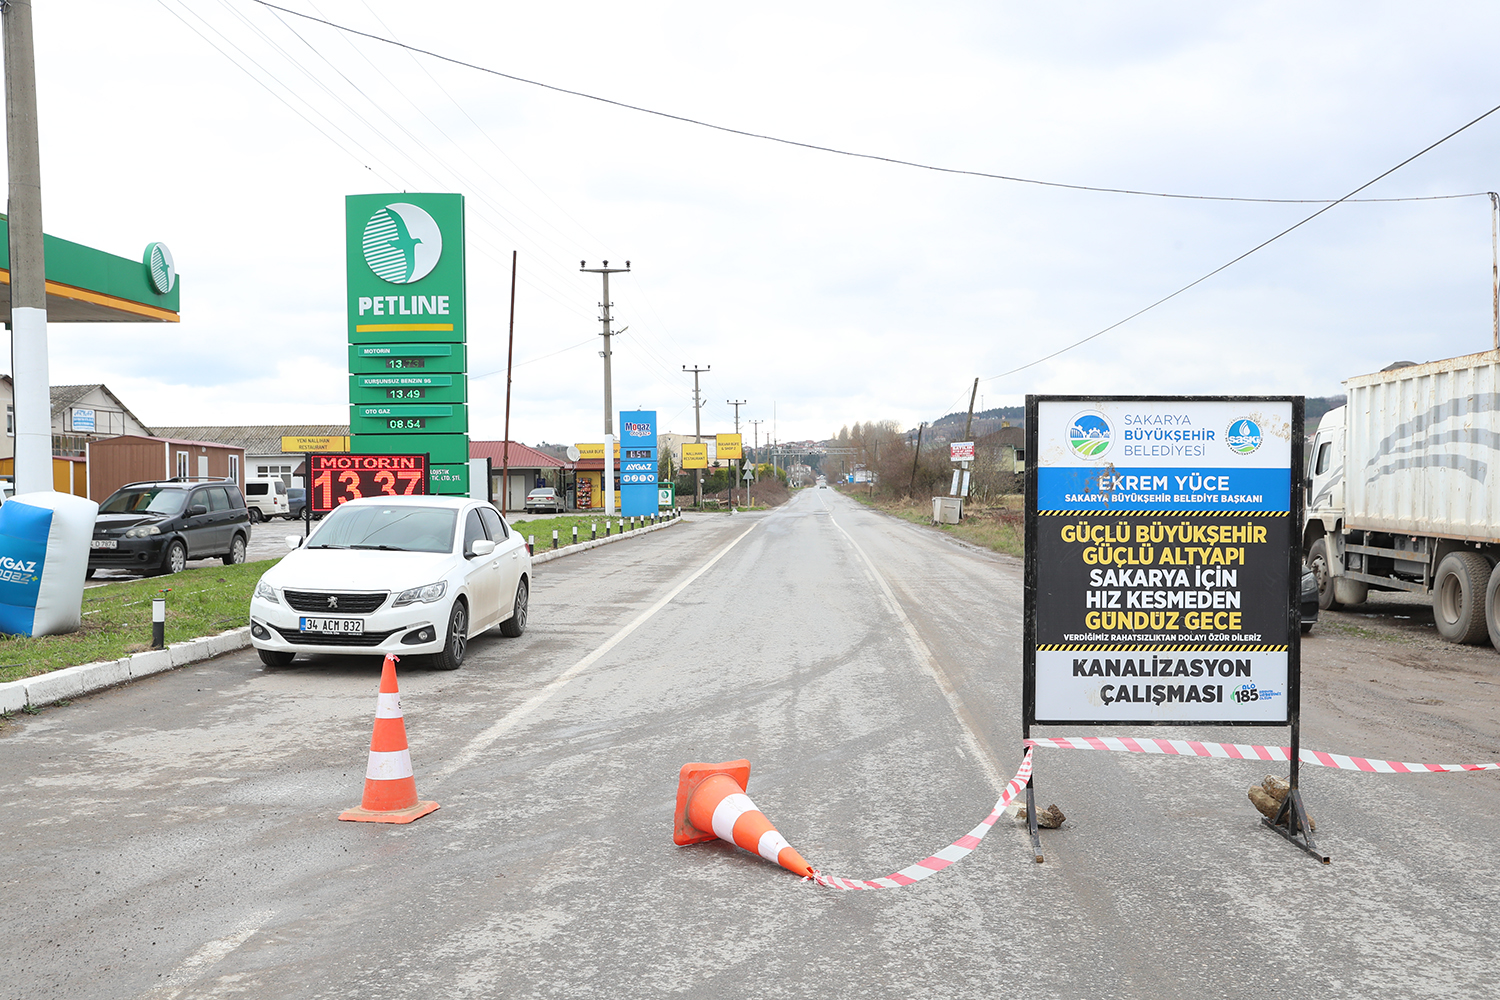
pixel 1317 561
pixel 1457 604
pixel 1492 606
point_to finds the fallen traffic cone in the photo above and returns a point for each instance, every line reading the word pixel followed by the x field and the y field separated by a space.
pixel 390 785
pixel 711 802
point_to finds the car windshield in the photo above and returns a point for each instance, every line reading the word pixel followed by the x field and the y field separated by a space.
pixel 145 500
pixel 393 527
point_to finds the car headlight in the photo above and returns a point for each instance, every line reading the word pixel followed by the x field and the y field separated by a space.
pixel 143 531
pixel 425 595
pixel 266 592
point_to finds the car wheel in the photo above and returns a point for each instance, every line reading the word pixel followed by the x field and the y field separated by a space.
pixel 513 626
pixel 175 560
pixel 1317 561
pixel 275 657
pixel 452 656
pixel 1307 628
pixel 1458 597
pixel 255 515
pixel 236 551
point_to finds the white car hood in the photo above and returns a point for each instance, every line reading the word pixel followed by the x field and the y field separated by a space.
pixel 359 569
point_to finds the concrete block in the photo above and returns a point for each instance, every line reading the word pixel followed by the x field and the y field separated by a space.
pixel 12 696
pixel 183 653
pixel 153 662
pixel 58 685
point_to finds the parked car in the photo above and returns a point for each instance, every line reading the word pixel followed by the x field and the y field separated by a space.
pixel 156 527
pixel 296 503
pixel 410 575
pixel 267 498
pixel 1309 600
pixel 545 498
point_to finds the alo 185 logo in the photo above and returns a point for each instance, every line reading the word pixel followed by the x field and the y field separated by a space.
pixel 1090 434
pixel 1244 436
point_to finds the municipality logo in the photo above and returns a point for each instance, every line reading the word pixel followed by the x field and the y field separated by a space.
pixel 402 243
pixel 1244 436
pixel 1090 435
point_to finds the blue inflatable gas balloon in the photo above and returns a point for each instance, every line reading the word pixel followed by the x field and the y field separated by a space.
pixel 44 557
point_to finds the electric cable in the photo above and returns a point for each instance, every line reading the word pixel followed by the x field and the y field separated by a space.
pixel 850 153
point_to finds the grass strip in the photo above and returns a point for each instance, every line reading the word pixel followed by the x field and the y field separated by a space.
pixel 117 619
pixel 541 528
pixel 1000 527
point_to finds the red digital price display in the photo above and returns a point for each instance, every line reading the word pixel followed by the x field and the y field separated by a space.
pixel 336 479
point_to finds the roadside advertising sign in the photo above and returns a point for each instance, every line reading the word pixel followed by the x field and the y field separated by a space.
pixel 729 447
pixel 666 495
pixel 694 456
pixel 594 451
pixel 1162 575
pixel 407 310
pixel 334 479
pixel 961 451
pixel 302 445
pixel 638 496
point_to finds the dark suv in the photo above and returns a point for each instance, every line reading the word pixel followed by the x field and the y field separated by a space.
pixel 157 527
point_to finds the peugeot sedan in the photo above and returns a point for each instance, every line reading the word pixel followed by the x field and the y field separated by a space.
pixel 410 575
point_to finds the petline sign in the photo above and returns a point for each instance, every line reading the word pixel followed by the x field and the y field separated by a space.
pixel 1163 585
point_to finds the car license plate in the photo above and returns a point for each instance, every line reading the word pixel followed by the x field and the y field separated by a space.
pixel 104 543
pixel 338 626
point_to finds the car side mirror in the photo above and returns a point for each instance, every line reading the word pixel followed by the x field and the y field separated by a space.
pixel 197 509
pixel 294 541
pixel 482 547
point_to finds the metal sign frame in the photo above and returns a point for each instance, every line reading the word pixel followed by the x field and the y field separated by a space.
pixel 1293 821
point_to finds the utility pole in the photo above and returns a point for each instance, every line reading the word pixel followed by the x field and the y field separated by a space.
pixel 737 403
pixel 609 402
pixel 755 455
pixel 697 432
pixel 970 422
pixel 28 272
pixel 510 357
pixel 912 486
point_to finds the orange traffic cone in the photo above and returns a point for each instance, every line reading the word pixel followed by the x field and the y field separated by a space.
pixel 390 785
pixel 711 802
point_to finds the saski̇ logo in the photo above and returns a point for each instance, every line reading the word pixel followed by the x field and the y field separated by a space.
pixel 402 243
pixel 1090 434
pixel 1244 436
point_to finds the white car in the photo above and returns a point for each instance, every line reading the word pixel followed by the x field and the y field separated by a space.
pixel 409 575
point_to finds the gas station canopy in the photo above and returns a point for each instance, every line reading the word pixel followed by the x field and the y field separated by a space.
pixel 85 285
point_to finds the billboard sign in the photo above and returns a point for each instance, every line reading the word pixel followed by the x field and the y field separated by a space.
pixel 1162 575
pixel 638 495
pixel 335 479
pixel 729 447
pixel 694 456
pixel 292 445
pixel 961 451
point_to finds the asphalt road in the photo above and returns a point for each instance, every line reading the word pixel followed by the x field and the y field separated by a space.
pixel 177 837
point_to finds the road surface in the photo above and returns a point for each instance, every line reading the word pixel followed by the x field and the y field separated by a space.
pixel 177 837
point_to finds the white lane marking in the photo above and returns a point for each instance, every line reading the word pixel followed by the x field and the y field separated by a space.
pixel 190 968
pixel 484 740
pixel 927 661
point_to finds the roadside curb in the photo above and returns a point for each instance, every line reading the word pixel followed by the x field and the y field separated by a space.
pixel 86 678
pixel 547 555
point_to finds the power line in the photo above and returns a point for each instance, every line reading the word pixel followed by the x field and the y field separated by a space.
pixel 1247 253
pixel 857 155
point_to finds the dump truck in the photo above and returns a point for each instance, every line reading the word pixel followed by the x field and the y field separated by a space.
pixel 1402 493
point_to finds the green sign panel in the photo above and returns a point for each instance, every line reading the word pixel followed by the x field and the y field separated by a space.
pixel 370 359
pixel 407 323
pixel 441 449
pixel 410 387
pixel 450 480
pixel 409 418
pixel 405 261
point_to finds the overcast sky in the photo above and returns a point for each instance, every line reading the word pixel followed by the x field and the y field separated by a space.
pixel 821 288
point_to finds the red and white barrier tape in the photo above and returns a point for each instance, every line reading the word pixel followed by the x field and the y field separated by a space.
pixel 956 851
pixel 1242 751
